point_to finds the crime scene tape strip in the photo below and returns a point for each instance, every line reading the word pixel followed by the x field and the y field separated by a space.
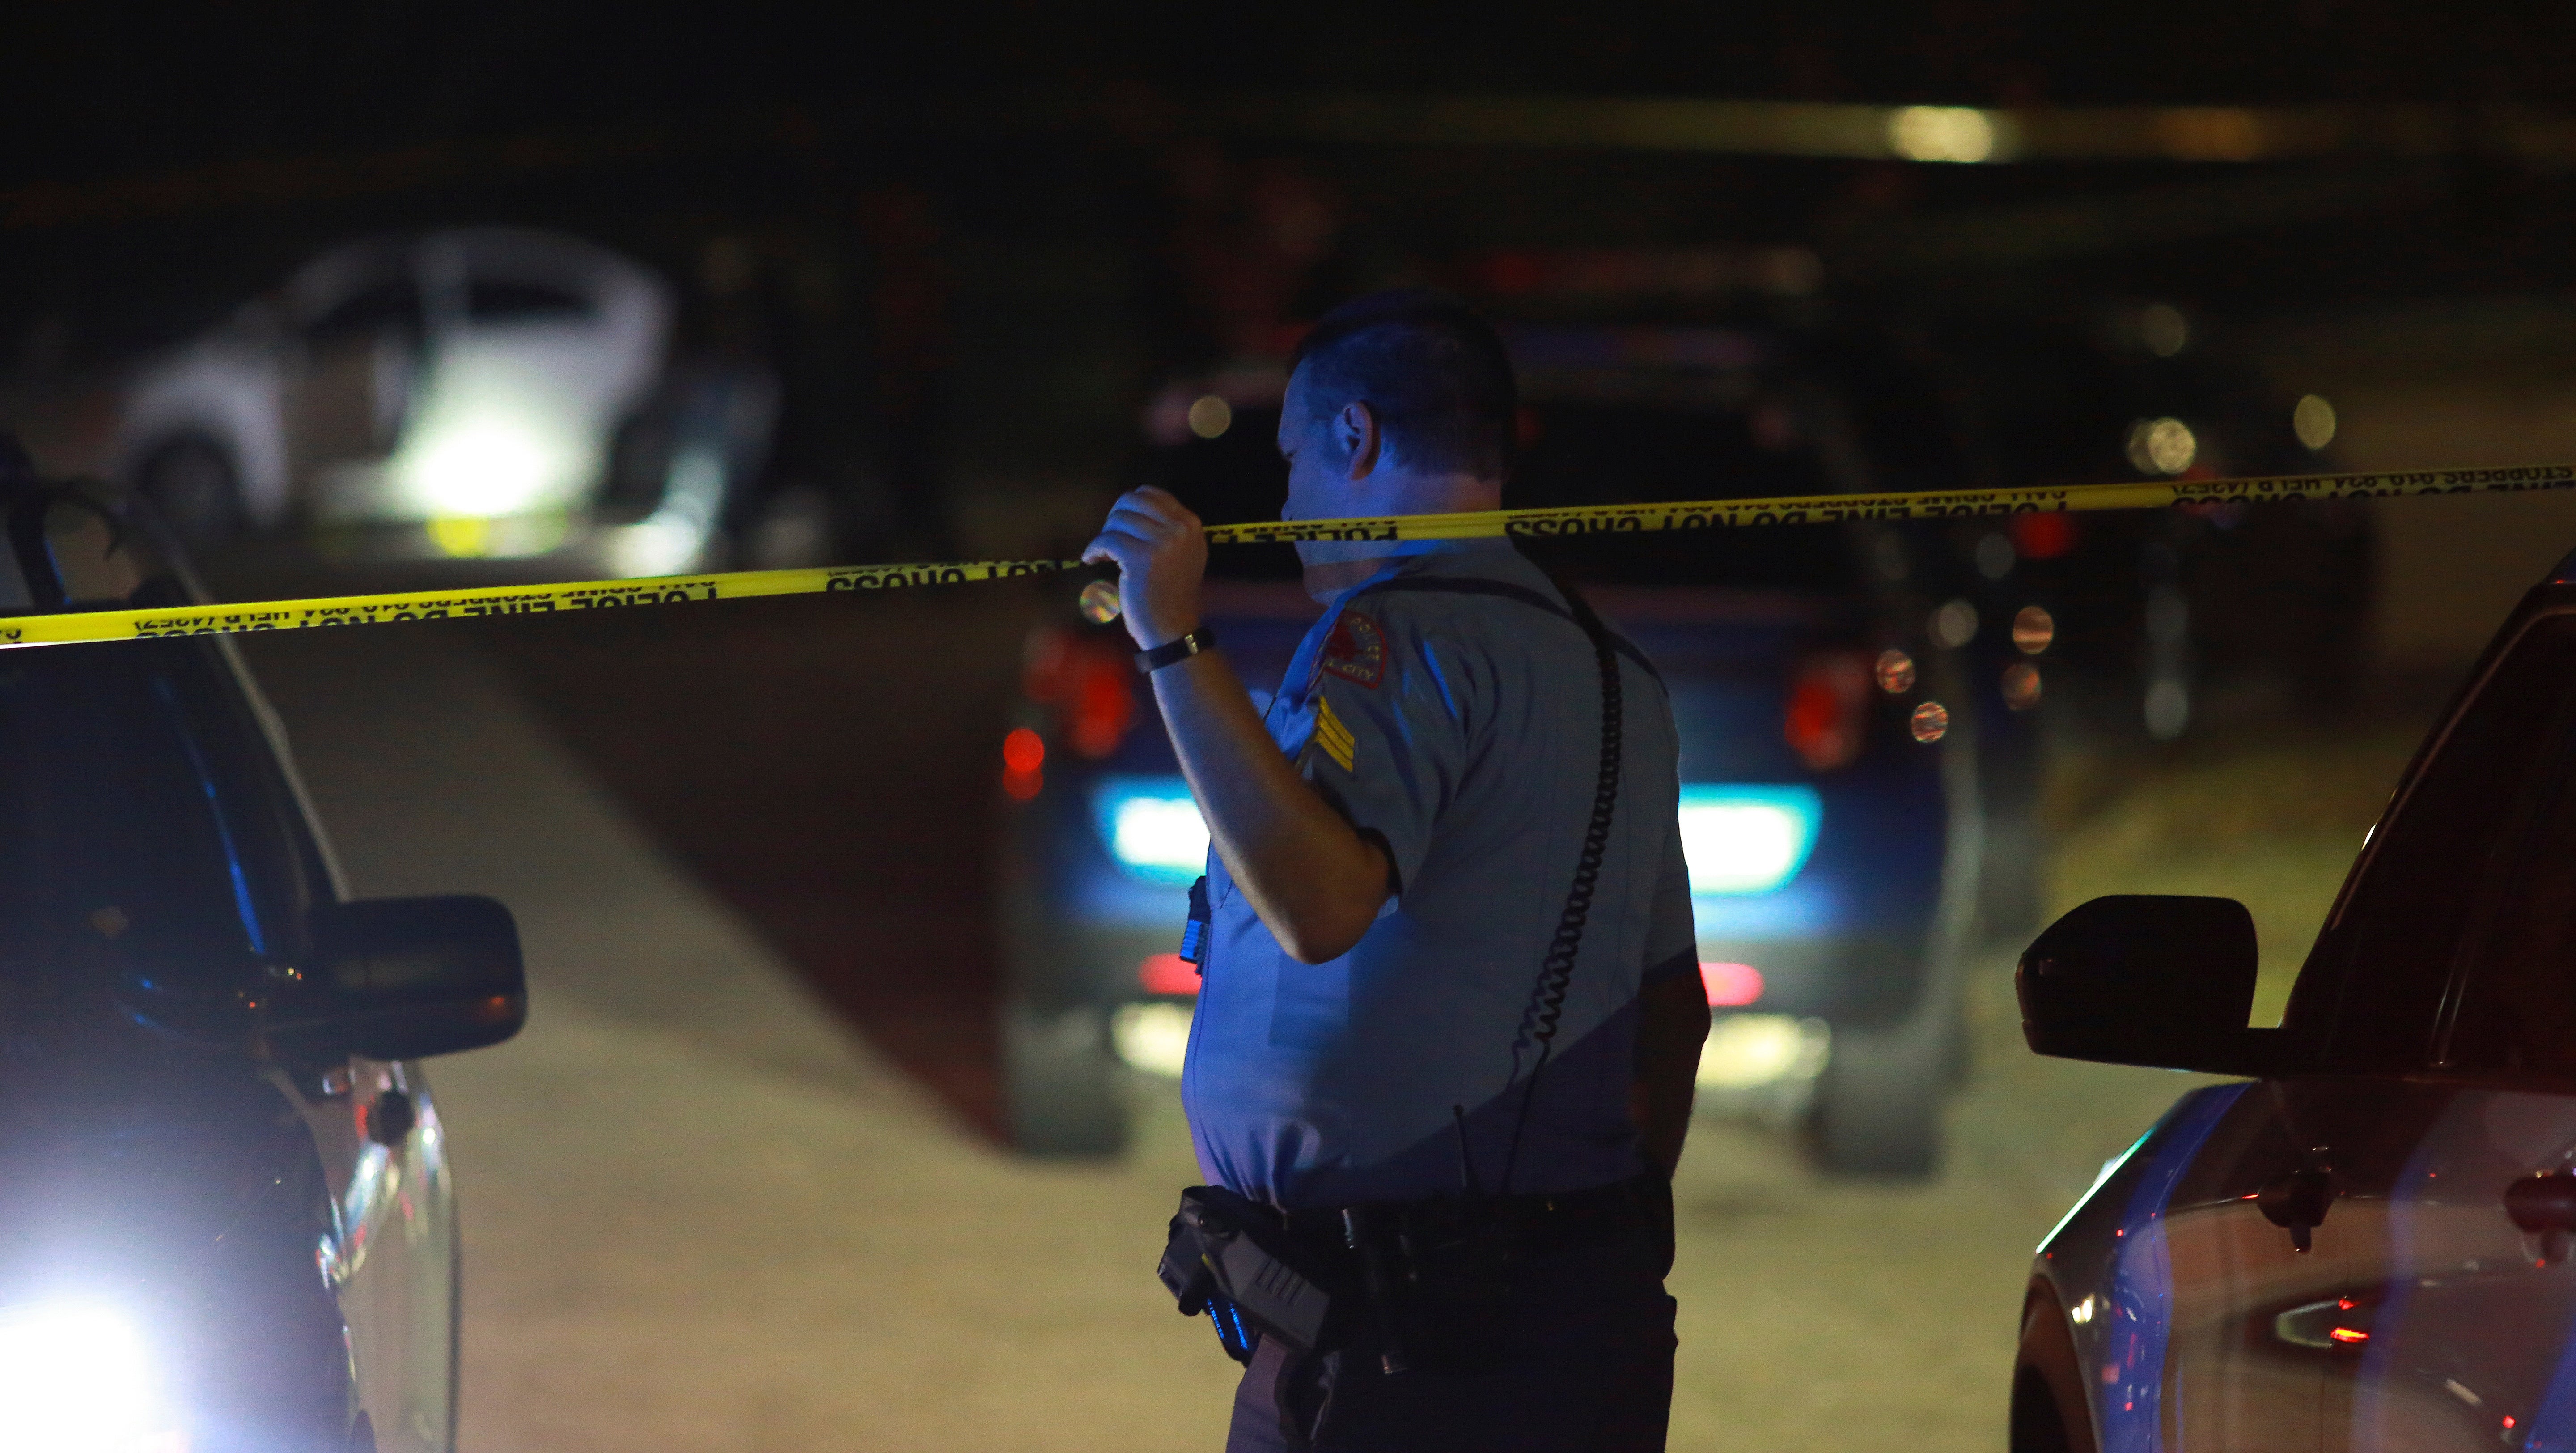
pixel 354 610
pixel 432 605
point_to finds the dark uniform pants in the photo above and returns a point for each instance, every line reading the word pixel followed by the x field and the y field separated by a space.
pixel 1589 1369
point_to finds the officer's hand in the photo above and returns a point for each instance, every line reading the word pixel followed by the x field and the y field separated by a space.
pixel 1161 552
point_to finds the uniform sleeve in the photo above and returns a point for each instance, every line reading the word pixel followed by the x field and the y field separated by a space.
pixel 1672 941
pixel 1386 744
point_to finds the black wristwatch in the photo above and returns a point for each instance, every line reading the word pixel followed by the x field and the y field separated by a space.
pixel 1183 649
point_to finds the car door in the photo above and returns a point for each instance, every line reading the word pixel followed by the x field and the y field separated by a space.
pixel 2441 1001
pixel 2299 1237
pixel 389 1251
pixel 350 390
pixel 2227 1275
pixel 2461 1321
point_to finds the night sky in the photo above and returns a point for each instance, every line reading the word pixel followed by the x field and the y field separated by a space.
pixel 103 90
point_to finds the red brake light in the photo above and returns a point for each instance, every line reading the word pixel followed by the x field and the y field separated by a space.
pixel 1023 751
pixel 1023 764
pixel 1828 715
pixel 1730 985
pixel 1168 974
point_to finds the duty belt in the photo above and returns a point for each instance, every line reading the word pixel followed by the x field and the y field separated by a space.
pixel 1525 1226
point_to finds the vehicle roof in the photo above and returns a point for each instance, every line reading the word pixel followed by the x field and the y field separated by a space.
pixel 520 253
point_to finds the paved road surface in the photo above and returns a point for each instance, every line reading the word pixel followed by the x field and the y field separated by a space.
pixel 721 1197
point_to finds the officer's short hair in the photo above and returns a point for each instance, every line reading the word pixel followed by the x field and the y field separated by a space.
pixel 1435 374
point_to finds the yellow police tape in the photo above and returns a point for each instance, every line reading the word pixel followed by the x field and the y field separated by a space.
pixel 357 610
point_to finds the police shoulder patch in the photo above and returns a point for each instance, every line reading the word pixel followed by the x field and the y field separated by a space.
pixel 1356 650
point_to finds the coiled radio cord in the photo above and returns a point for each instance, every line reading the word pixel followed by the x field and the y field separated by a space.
pixel 1556 971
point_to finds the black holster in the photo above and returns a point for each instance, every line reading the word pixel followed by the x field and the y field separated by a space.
pixel 1236 1260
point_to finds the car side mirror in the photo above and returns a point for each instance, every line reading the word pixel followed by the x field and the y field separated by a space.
pixel 2135 980
pixel 404 978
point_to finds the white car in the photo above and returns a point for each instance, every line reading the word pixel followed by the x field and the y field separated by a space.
pixel 460 392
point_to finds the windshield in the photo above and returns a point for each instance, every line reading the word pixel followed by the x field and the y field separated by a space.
pixel 143 841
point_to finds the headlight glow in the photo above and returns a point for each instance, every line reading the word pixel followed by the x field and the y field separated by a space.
pixel 1747 839
pixel 77 1377
pixel 1152 827
pixel 489 443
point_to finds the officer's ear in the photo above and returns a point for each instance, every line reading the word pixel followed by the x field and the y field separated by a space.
pixel 1355 431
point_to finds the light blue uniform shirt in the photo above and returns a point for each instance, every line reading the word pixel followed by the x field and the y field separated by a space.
pixel 1461 727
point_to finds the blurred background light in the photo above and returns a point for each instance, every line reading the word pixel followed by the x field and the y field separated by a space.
pixel 2021 686
pixel 2161 446
pixel 1941 133
pixel 2313 420
pixel 1168 974
pixel 1745 1050
pixel 1894 672
pixel 497 461
pixel 1152 827
pixel 1153 1037
pixel 1023 750
pixel 1747 839
pixel 1995 556
pixel 1730 986
pixel 2032 629
pixel 1210 416
pixel 1953 625
pixel 2163 329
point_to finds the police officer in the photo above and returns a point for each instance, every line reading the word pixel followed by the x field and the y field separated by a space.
pixel 1395 841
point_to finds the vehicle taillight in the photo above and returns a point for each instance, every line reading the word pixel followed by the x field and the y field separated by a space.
pixel 1168 974
pixel 1828 717
pixel 1023 764
pixel 1090 681
pixel 1730 986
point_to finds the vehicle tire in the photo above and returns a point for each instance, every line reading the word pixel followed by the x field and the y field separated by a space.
pixel 455 1321
pixel 2012 891
pixel 196 490
pixel 1063 1088
pixel 2048 1411
pixel 1877 1113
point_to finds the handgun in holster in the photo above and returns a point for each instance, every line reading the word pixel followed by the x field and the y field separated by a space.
pixel 1235 1260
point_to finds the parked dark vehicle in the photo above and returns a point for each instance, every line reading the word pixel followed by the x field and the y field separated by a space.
pixel 226 1220
pixel 1830 807
pixel 2362 1246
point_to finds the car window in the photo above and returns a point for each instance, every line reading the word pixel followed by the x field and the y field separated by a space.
pixel 142 841
pixel 2407 923
pixel 501 300
pixel 391 306
pixel 2513 1014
